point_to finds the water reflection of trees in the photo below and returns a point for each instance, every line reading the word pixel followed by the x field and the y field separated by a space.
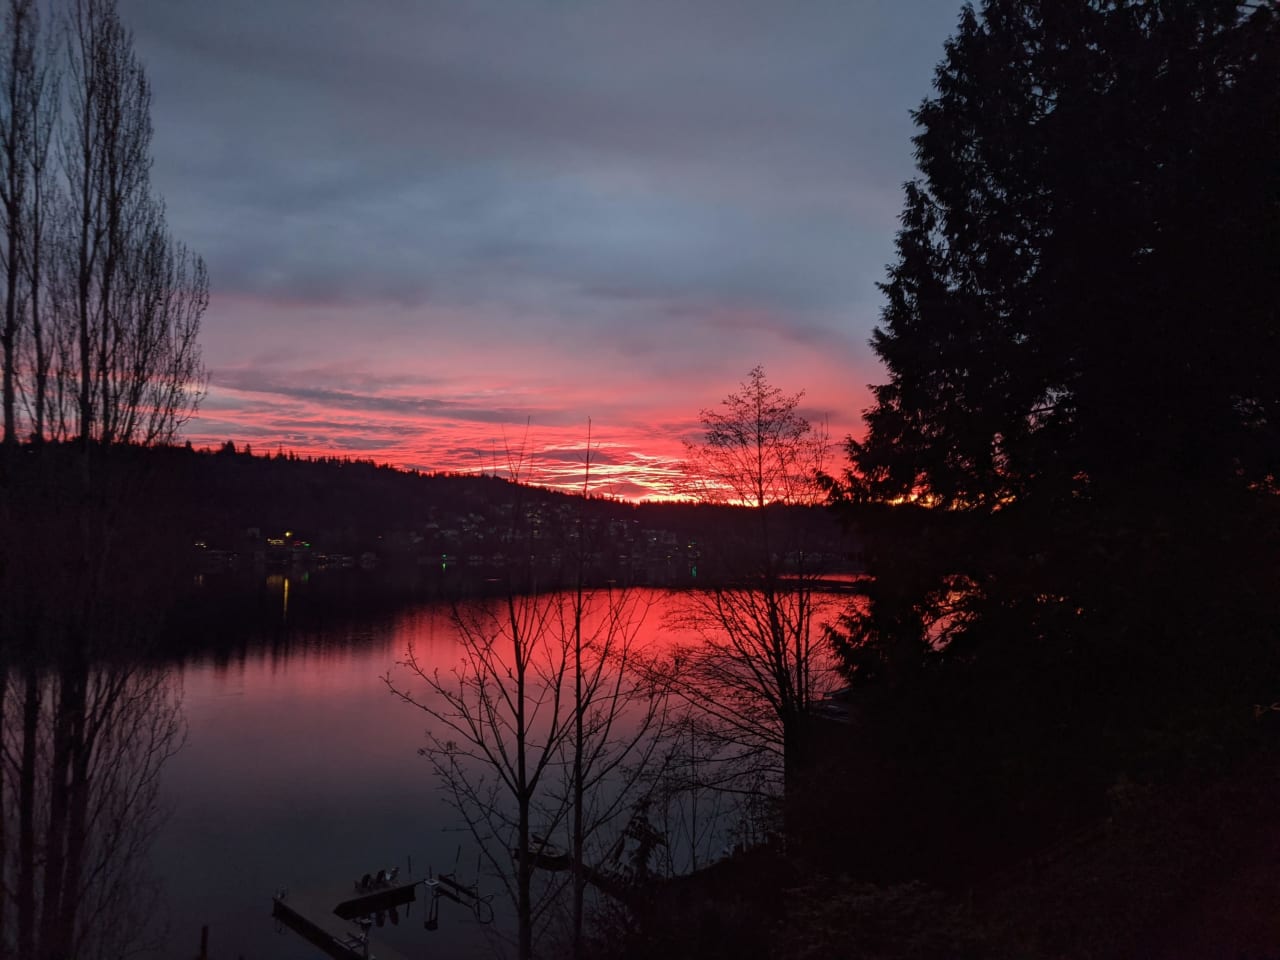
pixel 86 722
pixel 83 747
pixel 542 731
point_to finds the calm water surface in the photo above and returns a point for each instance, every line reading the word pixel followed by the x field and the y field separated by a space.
pixel 301 769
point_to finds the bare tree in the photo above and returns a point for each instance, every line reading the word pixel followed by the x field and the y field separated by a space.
pixel 620 707
pixel 620 712
pixel 86 719
pixel 155 378
pixel 42 104
pixel 500 719
pixel 544 724
pixel 62 286
pixel 138 296
pixel 760 660
pixel 18 72
pixel 100 308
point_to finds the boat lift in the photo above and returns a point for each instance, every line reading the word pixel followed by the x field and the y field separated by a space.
pixel 341 929
pixel 339 922
pixel 448 886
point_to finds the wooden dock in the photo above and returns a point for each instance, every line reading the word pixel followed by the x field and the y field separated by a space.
pixel 327 919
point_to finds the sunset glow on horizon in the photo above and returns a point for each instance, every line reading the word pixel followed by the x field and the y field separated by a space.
pixel 535 428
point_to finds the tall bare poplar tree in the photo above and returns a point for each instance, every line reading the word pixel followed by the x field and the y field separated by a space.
pixel 100 307
pixel 17 76
pixel 138 296
pixel 42 104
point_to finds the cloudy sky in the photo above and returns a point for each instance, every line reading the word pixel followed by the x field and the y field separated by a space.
pixel 430 223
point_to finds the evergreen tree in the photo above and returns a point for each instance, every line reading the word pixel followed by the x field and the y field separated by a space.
pixel 1081 328
pixel 1081 335
pixel 1085 296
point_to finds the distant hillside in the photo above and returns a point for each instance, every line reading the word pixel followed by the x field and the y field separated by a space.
pixel 302 511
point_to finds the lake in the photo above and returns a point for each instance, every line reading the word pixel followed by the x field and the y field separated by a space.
pixel 259 745
pixel 301 768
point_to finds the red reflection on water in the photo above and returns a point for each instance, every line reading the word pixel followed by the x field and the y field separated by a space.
pixel 300 764
pixel 317 715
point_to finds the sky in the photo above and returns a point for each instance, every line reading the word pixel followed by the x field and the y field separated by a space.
pixel 455 234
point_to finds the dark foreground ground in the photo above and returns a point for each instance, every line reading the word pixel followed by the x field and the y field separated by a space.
pixel 1191 874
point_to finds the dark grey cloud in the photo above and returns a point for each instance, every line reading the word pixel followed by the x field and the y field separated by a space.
pixel 371 403
pixel 534 154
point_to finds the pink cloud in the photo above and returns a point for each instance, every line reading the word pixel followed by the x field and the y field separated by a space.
pixel 468 390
